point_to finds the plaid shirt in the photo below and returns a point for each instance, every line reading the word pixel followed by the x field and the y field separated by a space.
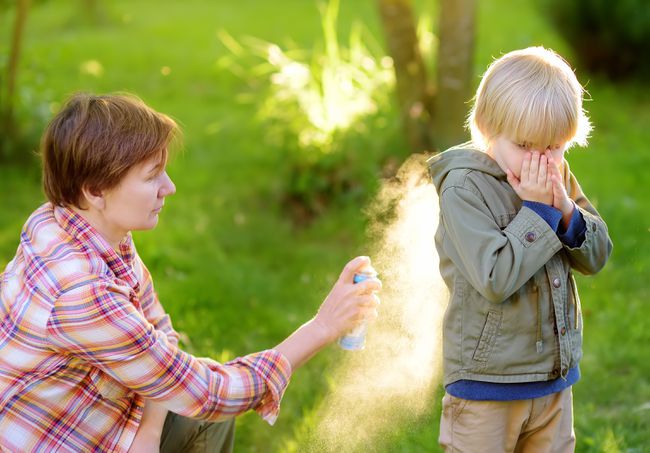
pixel 83 340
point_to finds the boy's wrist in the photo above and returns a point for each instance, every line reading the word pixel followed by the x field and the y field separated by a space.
pixel 550 214
pixel 567 213
pixel 538 199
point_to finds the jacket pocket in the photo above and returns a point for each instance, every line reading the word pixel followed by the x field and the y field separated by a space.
pixel 488 336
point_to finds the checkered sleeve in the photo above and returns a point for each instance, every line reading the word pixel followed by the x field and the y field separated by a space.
pixel 151 306
pixel 97 323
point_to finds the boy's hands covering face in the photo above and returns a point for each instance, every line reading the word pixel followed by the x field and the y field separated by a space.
pixel 540 180
pixel 534 182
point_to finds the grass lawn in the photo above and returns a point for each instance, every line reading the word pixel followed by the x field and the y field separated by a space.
pixel 237 276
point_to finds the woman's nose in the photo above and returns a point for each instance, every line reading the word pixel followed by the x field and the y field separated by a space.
pixel 168 187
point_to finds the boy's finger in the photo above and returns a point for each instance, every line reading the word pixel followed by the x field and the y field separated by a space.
pixel 554 168
pixel 525 167
pixel 534 167
pixel 558 187
pixel 512 179
pixel 543 167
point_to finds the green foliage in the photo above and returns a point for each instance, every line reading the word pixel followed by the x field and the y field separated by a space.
pixel 321 110
pixel 30 114
pixel 612 37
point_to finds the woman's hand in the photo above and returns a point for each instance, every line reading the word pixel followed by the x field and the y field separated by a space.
pixel 145 441
pixel 349 303
pixel 346 305
pixel 147 438
pixel 534 182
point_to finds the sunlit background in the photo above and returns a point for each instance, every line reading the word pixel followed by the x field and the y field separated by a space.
pixel 305 129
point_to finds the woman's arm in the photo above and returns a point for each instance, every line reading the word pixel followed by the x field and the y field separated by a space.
pixel 99 324
pixel 147 438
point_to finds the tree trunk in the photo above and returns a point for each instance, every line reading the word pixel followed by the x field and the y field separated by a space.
pixel 413 89
pixel 95 12
pixel 456 35
pixel 7 108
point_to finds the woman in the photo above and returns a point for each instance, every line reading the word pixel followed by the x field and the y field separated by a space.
pixel 89 359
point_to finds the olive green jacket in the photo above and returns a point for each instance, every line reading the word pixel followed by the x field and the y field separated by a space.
pixel 514 311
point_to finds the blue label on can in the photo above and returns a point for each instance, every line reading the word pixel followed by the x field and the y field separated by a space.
pixel 356 339
pixel 363 276
pixel 352 343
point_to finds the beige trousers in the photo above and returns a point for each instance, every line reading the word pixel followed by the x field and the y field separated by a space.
pixel 536 425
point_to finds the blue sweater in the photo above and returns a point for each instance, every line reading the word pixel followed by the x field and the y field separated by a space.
pixel 573 236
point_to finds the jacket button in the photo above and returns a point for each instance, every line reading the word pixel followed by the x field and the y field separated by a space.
pixel 593 227
pixel 556 282
pixel 555 372
pixel 563 331
pixel 530 236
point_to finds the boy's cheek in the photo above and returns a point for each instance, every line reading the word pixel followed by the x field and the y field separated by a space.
pixel 515 163
pixel 516 170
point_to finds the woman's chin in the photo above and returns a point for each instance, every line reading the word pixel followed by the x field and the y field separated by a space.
pixel 149 225
pixel 153 222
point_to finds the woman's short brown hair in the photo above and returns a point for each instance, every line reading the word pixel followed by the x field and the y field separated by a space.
pixel 94 140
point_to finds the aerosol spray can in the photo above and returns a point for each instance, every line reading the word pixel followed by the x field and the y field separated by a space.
pixel 355 339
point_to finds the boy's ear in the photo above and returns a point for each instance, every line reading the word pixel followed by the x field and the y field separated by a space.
pixel 93 198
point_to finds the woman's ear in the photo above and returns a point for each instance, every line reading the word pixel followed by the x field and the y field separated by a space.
pixel 93 198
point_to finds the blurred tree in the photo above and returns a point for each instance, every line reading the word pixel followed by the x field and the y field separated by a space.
pixel 414 91
pixel 456 35
pixel 95 11
pixel 8 128
pixel 433 115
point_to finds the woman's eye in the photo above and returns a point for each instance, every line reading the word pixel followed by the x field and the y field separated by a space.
pixel 155 173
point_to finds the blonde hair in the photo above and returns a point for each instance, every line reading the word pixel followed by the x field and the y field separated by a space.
pixel 530 96
pixel 95 140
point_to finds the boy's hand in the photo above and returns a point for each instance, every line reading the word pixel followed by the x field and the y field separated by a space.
pixel 534 183
pixel 561 199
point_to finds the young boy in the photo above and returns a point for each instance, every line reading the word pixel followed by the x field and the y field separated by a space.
pixel 89 360
pixel 514 224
